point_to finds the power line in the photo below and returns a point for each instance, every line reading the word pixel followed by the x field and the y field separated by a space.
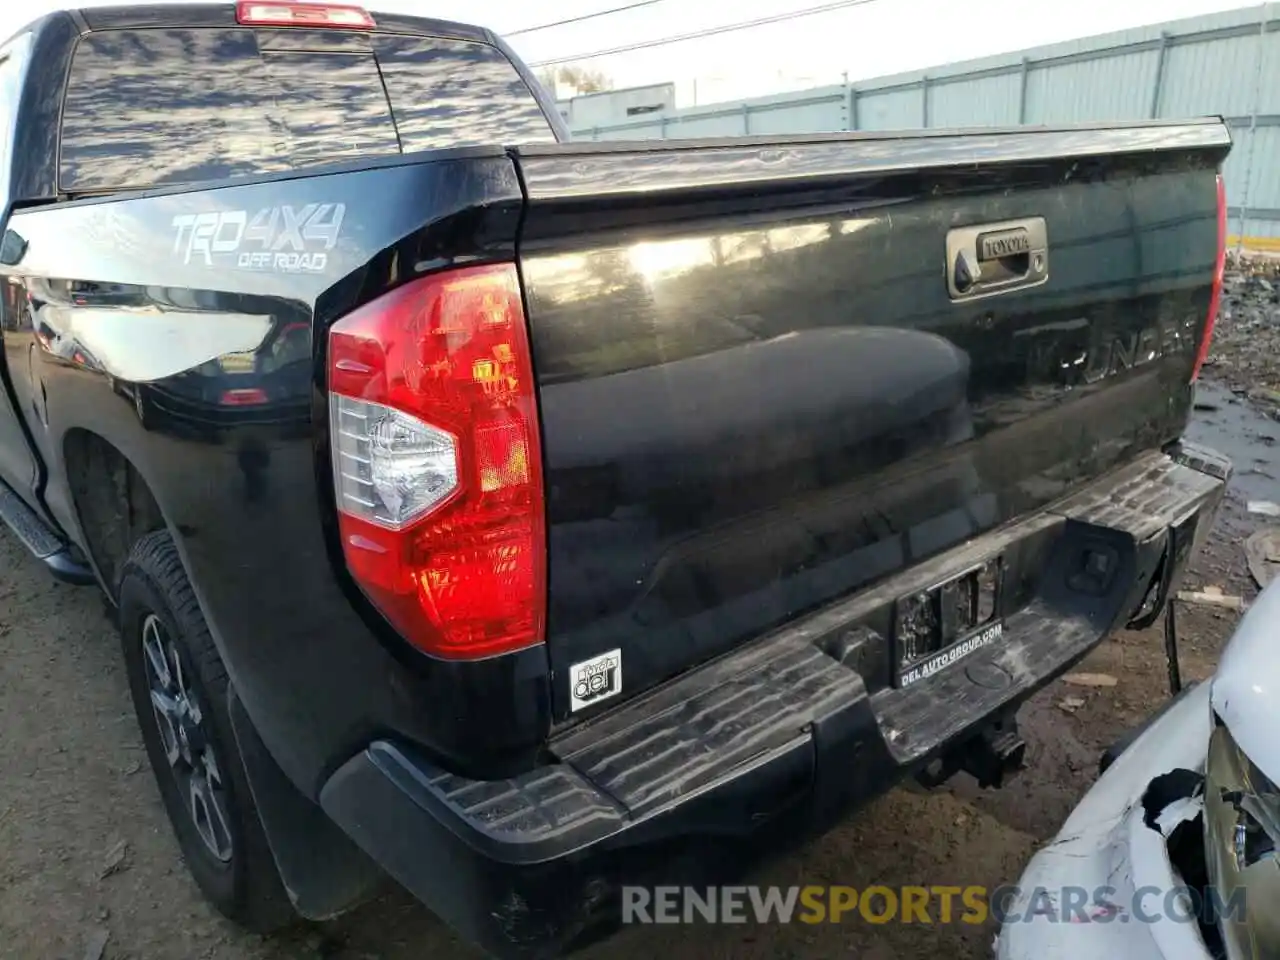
pixel 585 16
pixel 699 34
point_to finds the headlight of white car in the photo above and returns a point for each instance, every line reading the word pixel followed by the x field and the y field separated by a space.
pixel 1242 830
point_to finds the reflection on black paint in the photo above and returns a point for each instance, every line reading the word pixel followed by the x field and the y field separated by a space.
pixel 268 383
pixel 147 107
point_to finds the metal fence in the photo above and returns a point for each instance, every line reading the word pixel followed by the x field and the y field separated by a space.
pixel 1225 64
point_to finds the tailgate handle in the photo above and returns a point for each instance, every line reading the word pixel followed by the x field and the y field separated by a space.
pixel 990 258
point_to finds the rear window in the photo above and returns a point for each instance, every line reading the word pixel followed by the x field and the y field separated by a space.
pixel 448 93
pixel 13 58
pixel 163 106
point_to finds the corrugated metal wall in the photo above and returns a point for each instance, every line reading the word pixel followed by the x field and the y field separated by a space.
pixel 1225 64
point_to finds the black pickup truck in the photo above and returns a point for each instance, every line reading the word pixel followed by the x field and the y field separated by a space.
pixel 526 519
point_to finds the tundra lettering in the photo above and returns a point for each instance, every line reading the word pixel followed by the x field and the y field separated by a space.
pixel 1073 353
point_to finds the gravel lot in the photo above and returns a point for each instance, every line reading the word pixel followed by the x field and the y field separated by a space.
pixel 85 850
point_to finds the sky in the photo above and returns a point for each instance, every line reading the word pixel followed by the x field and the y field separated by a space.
pixel 874 38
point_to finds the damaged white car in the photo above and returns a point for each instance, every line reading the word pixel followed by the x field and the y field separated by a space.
pixel 1172 853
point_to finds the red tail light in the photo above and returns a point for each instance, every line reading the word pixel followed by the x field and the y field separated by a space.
pixel 437 462
pixel 243 397
pixel 1219 269
pixel 285 13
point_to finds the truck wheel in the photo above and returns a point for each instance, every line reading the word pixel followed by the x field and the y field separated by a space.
pixel 179 688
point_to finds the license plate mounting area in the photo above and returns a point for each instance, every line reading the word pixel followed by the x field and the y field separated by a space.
pixel 935 628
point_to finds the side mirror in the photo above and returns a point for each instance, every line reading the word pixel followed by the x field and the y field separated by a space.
pixel 12 248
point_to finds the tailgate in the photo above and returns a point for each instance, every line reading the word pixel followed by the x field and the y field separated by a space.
pixel 773 372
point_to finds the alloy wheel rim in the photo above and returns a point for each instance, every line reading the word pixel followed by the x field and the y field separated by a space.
pixel 183 729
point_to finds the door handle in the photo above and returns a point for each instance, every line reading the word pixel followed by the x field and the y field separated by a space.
pixel 990 258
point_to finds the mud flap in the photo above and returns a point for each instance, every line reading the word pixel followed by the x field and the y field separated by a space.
pixel 324 873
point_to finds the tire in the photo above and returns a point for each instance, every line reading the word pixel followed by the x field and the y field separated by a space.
pixel 172 661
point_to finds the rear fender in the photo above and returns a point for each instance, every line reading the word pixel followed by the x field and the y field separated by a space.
pixel 164 324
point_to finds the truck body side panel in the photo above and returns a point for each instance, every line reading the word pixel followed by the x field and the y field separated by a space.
pixel 185 330
pixel 164 326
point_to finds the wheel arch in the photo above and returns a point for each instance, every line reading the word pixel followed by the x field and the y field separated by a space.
pixel 113 504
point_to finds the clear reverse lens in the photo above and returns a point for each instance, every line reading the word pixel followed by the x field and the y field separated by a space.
pixel 389 467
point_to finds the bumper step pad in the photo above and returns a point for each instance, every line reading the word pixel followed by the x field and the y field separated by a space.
pixel 668 745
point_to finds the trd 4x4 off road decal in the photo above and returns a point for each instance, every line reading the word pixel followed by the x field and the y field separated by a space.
pixel 284 239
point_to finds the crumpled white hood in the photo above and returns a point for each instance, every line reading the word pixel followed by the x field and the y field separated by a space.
pixel 1246 688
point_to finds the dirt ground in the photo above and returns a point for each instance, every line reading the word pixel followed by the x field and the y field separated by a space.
pixel 86 852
